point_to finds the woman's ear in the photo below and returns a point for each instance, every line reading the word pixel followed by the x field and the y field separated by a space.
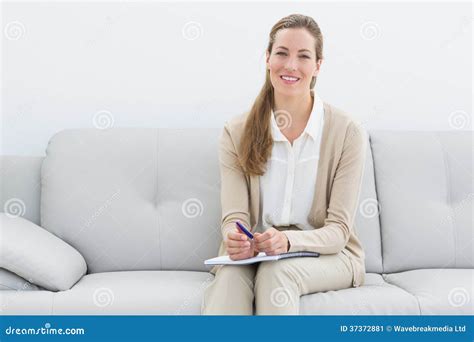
pixel 318 66
pixel 267 59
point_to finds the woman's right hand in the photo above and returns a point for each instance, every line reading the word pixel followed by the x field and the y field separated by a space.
pixel 239 246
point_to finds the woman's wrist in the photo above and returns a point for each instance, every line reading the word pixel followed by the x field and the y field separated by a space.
pixel 287 242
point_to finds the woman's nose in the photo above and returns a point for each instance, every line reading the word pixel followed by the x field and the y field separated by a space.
pixel 290 65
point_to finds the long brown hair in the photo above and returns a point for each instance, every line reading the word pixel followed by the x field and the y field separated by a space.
pixel 257 142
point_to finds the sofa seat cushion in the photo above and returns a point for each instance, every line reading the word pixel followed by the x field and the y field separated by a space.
pixel 438 291
pixel 23 302
pixel 116 293
pixel 375 297
pixel 135 292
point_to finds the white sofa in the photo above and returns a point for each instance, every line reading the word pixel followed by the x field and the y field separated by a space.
pixel 128 215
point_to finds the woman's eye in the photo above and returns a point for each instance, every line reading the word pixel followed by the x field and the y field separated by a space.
pixel 284 54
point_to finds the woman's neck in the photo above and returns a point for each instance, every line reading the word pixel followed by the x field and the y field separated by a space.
pixel 299 107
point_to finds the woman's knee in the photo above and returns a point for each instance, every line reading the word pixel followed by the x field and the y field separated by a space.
pixel 275 274
pixel 276 289
pixel 236 276
pixel 230 293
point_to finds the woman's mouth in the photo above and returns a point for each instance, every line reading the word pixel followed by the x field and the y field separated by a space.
pixel 289 79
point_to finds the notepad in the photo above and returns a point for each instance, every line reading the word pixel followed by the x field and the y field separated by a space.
pixel 225 260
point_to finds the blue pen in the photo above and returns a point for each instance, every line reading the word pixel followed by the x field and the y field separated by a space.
pixel 243 229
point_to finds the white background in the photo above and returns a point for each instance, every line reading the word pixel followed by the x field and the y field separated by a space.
pixel 192 64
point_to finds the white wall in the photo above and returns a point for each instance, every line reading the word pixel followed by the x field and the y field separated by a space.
pixel 390 65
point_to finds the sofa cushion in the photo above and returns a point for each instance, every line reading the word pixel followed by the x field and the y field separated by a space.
pixel 425 191
pixel 116 293
pixel 37 255
pixel 375 297
pixel 12 281
pixel 137 292
pixel 14 302
pixel 181 292
pixel 438 291
pixel 134 198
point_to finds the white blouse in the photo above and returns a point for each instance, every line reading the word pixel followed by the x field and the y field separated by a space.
pixel 287 188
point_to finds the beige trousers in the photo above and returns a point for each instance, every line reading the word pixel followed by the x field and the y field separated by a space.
pixel 274 287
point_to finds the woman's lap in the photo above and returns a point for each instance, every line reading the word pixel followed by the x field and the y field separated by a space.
pixel 324 273
pixel 275 285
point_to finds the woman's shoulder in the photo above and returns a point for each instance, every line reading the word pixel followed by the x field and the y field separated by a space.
pixel 337 115
pixel 236 125
pixel 237 121
pixel 340 118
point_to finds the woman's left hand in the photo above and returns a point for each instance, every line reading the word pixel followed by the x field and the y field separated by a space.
pixel 272 242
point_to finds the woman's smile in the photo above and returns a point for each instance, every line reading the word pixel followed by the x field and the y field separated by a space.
pixel 289 79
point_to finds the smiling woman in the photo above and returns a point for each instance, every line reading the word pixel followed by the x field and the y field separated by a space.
pixel 293 59
pixel 272 160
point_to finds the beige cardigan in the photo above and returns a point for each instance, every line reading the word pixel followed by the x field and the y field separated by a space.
pixel 340 170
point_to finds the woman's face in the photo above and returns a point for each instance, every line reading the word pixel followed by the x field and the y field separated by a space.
pixel 292 61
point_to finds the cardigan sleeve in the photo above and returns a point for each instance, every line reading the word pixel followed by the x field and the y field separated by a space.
pixel 234 188
pixel 343 202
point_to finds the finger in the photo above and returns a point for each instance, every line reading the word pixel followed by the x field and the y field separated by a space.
pixel 234 250
pixel 237 243
pixel 273 248
pixel 267 244
pixel 274 240
pixel 239 256
pixel 268 251
pixel 237 236
pixel 273 251
pixel 265 236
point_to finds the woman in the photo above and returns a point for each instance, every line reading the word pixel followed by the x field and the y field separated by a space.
pixel 291 171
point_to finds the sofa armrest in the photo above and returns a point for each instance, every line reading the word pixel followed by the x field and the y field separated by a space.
pixel 35 254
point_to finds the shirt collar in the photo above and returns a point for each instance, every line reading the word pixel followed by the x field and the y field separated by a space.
pixel 312 126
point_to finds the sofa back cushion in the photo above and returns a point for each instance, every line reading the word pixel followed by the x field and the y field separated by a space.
pixel 425 191
pixel 134 198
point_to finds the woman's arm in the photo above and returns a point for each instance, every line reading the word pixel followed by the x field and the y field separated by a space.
pixel 234 188
pixel 344 198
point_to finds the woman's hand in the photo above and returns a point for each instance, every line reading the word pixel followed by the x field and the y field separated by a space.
pixel 272 242
pixel 239 246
